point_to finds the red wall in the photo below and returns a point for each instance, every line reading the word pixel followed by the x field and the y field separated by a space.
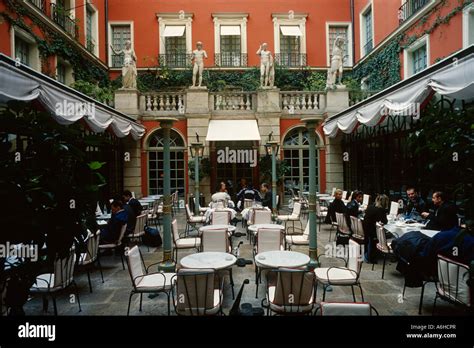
pixel 259 25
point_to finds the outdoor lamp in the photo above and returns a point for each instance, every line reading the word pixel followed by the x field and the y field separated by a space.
pixel 197 150
pixel 272 147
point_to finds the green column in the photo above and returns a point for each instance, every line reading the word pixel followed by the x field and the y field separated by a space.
pixel 167 264
pixel 196 184
pixel 274 183
pixel 311 124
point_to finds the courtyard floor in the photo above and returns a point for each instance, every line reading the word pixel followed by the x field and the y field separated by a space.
pixel 111 297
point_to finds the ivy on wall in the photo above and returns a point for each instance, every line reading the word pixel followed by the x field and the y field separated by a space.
pixel 383 68
pixel 53 44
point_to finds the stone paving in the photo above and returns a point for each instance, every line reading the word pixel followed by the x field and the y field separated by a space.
pixel 111 297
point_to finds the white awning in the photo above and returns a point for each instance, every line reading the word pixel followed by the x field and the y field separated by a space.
pixel 174 30
pixel 290 30
pixel 230 130
pixel 65 104
pixel 230 30
pixel 451 77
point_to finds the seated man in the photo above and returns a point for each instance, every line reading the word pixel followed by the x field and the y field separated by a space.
pixel 336 206
pixel 415 205
pixel 353 207
pixel 266 195
pixel 247 193
pixel 111 232
pixel 133 208
pixel 443 216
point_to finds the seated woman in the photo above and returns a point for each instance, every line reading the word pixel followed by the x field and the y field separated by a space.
pixel 221 195
pixel 336 206
pixel 374 213
pixel 111 232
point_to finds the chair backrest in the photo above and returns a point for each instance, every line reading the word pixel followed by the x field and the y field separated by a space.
pixel 92 246
pixel 248 203
pixel 294 289
pixel 269 239
pixel 220 217
pixel 350 196
pixel 262 216
pixel 452 281
pixel 333 191
pixel 215 240
pixel 140 224
pixel 136 267
pixel 219 204
pixel 382 238
pixel 174 228
pixel 394 208
pixel 354 261
pixel 342 223
pixel 345 308
pixel 122 233
pixel 344 195
pixel 175 197
pixel 194 291
pixel 365 199
pixel 296 210
pixel 188 212
pixel 64 269
pixel 306 230
pixel 357 227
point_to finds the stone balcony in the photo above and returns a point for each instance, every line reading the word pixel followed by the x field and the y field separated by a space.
pixel 236 103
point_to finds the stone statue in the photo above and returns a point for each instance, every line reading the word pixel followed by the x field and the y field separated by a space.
pixel 129 68
pixel 267 67
pixel 337 60
pixel 198 57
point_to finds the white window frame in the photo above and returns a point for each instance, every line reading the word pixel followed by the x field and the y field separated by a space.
pixel 72 12
pixel 349 44
pixel 467 16
pixel 362 33
pixel 408 58
pixel 69 71
pixel 95 27
pixel 111 24
pixel 221 19
pixel 283 20
pixel 34 58
pixel 165 19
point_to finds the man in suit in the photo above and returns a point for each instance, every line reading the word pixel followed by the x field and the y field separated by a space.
pixel 415 205
pixel 133 208
pixel 353 207
pixel 266 195
pixel 443 216
pixel 111 232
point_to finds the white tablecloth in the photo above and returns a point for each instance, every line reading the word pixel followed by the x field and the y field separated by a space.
pixel 208 214
pixel 400 230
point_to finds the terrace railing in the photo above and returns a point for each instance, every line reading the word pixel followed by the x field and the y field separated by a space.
pixel 228 101
pixel 61 18
pixel 290 59
pixel 302 102
pixel 409 8
pixel 164 103
pixel 230 59
pixel 175 60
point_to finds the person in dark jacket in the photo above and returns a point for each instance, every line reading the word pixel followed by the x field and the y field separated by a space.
pixel 443 216
pixel 247 192
pixel 353 207
pixel 415 205
pixel 374 213
pixel 111 232
pixel 266 195
pixel 336 206
pixel 133 208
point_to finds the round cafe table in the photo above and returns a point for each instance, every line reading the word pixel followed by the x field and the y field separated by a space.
pixel 256 227
pixel 281 258
pixel 208 259
pixel 229 228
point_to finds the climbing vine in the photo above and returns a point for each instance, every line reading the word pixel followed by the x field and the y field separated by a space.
pixel 383 68
pixel 52 43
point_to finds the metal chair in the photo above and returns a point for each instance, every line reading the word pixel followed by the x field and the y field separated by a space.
pixel 183 243
pixel 60 279
pixel 383 246
pixel 117 246
pixel 346 309
pixel 295 215
pixel 290 292
pixel 358 233
pixel 198 292
pixel 91 256
pixel 297 239
pixel 192 221
pixel 144 282
pixel 139 230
